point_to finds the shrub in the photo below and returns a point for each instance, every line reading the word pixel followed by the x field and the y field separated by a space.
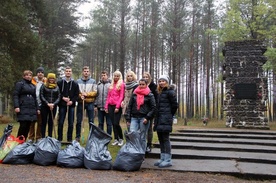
pixel 5 119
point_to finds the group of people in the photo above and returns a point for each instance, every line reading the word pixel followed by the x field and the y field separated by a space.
pixel 145 106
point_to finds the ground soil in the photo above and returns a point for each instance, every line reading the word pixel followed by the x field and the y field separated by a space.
pixel 54 174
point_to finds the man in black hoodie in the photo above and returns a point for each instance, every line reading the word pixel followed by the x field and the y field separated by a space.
pixel 69 90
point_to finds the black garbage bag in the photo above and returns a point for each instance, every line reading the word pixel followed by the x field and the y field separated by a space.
pixel 131 155
pixel 96 155
pixel 21 154
pixel 7 132
pixel 72 156
pixel 46 151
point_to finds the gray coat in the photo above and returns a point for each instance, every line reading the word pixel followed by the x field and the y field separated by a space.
pixel 102 91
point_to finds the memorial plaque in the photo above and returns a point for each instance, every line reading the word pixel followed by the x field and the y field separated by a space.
pixel 245 91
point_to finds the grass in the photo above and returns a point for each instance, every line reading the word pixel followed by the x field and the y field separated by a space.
pixel 195 123
pixel 191 123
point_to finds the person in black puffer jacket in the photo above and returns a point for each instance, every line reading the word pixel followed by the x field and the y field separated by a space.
pixel 166 108
pixel 50 97
pixel 141 109
pixel 25 103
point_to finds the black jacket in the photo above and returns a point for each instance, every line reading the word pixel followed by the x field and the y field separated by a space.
pixel 166 108
pixel 147 110
pixel 153 89
pixel 49 95
pixel 68 89
pixel 24 98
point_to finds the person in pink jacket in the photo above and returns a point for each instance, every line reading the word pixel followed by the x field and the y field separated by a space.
pixel 113 106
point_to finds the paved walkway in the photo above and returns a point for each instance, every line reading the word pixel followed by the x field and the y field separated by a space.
pixel 245 153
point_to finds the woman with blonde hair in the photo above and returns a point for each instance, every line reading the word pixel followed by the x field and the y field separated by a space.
pixel 131 85
pixel 114 99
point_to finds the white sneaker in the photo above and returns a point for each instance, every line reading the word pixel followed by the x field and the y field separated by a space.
pixel 121 142
pixel 115 143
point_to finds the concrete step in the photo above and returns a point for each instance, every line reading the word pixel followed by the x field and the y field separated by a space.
pixel 268 158
pixel 221 135
pixel 229 167
pixel 227 131
pixel 250 153
pixel 222 147
pixel 248 141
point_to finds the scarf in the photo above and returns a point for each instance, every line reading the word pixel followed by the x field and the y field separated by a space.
pixel 51 85
pixel 141 95
pixel 130 85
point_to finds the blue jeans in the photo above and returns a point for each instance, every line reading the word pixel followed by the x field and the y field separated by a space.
pixel 137 124
pixel 101 115
pixel 62 115
pixel 89 107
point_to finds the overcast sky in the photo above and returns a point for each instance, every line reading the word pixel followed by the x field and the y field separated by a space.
pixel 85 9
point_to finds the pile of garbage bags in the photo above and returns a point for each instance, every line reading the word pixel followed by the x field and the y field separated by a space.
pixel 95 156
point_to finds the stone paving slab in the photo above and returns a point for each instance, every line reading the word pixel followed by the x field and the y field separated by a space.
pixel 221 146
pixel 212 154
pixel 228 131
pixel 222 135
pixel 218 166
pixel 187 165
pixel 225 140
pixel 228 151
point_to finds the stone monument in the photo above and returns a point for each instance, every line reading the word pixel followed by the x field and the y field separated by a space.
pixel 245 84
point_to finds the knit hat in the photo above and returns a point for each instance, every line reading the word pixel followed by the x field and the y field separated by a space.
pixel 40 69
pixel 51 75
pixel 164 77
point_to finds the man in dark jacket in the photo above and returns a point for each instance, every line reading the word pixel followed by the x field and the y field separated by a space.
pixel 38 81
pixel 69 91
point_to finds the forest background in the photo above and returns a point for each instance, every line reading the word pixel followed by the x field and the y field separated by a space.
pixel 181 38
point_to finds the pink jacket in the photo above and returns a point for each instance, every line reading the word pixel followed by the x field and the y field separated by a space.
pixel 115 97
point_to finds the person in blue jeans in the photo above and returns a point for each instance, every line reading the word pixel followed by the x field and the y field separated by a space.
pixel 141 110
pixel 69 91
pixel 88 93
pixel 102 91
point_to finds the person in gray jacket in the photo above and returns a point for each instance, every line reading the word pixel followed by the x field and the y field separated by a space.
pixel 102 91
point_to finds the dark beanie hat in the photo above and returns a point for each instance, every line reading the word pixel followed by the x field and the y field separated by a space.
pixel 40 69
